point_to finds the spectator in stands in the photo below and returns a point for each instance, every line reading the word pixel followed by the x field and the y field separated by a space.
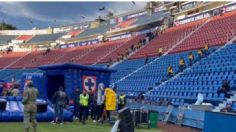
pixel 146 59
pixel 123 56
pixel 170 71
pixel 118 57
pixel 191 58
pixel 225 88
pixel 76 102
pixel 71 60
pixel 143 42
pixel 132 48
pixel 126 52
pixel 200 53
pixel 160 52
pixel 140 98
pixel 48 50
pixel 206 48
pixel 181 64
pixel 147 38
pixel 60 101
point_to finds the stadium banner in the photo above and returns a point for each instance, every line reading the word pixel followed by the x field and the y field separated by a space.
pixel 137 15
pixel 25 32
pixel 89 83
pixel 121 36
pixel 205 14
pixel 230 7
pixel 193 18
pixel 82 43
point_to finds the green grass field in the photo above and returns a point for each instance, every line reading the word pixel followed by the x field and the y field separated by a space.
pixel 67 127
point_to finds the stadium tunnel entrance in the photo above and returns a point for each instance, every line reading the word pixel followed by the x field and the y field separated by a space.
pixel 53 84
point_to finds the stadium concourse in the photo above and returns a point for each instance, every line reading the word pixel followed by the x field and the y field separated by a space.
pixel 174 66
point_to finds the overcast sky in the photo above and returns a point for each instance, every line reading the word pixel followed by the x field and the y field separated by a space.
pixel 26 15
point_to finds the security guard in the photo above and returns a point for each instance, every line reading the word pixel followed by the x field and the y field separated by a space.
pixel 181 64
pixel 160 51
pixel 84 101
pixel 191 58
pixel 30 107
pixel 200 53
pixel 206 50
pixel 122 101
pixel 170 71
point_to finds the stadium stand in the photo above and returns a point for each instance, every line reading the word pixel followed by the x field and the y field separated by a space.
pixel 4 39
pixel 167 39
pixel 217 32
pixel 94 31
pixel 204 77
pixel 24 38
pixel 45 38
pixel 101 51
pixel 122 48
pixel 76 53
pixel 125 24
pixel 150 75
pixel 75 33
pixel 150 18
pixel 10 58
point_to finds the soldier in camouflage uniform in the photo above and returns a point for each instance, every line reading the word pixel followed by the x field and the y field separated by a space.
pixel 30 107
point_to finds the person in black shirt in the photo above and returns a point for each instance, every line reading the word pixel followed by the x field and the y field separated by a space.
pixel 146 59
pixel 224 88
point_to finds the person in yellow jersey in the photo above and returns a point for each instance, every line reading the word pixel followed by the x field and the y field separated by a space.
pixel 122 101
pixel 206 48
pixel 200 53
pixel 181 64
pixel 110 103
pixel 84 101
pixel 160 51
pixel 170 71
pixel 190 58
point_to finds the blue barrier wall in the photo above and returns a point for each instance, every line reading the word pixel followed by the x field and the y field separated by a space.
pixel 219 122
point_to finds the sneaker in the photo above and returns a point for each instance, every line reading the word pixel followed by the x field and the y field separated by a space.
pixel 94 121
pixel 53 122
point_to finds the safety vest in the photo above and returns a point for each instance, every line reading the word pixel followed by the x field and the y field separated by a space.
pixel 122 99
pixel 199 52
pixel 84 100
pixel 181 62
pixel 190 57
pixel 206 47
pixel 160 50
pixel 170 70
